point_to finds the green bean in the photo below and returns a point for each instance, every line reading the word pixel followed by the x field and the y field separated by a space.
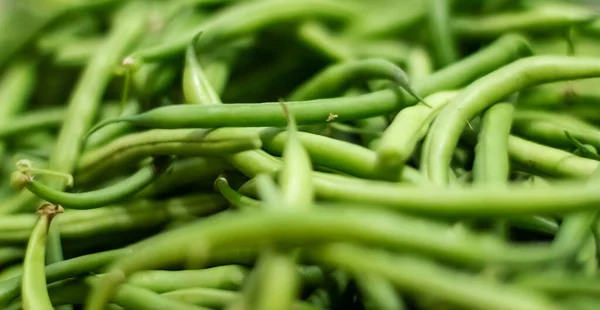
pixel 413 122
pixel 548 17
pixel 491 166
pixel 103 136
pixel 378 293
pixel 318 37
pixel 32 121
pixel 332 80
pixel 576 228
pixel 552 131
pixel 480 202
pixel 129 216
pixel 183 172
pixel 442 36
pixel 9 289
pixel 233 197
pixel 132 148
pixel 419 275
pixel 391 50
pixel 549 160
pixel 15 89
pixel 419 64
pixel 348 158
pixel 104 196
pixel 9 255
pixel 195 82
pixel 34 292
pixel 530 71
pixel 223 277
pixel 391 19
pixel 379 228
pixel 504 50
pixel 247 18
pixel 11 271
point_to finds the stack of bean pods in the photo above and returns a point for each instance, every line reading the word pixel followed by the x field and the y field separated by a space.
pixel 299 154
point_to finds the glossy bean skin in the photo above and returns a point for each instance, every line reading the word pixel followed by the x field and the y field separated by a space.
pixel 491 165
pixel 333 80
pixel 196 87
pixel 413 122
pixel 104 196
pixel 447 127
pixel 377 228
pixel 33 288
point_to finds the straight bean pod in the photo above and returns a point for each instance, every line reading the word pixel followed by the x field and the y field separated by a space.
pixel 228 277
pixel 448 126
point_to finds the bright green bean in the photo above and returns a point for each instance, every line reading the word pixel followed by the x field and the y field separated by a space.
pixel 439 28
pixel 448 126
pixel 332 80
pixel 549 160
pixel 9 255
pixel 378 293
pixel 413 122
pixel 419 65
pixel 491 165
pixel 104 196
pixel 195 88
pixel 33 288
pixel 548 17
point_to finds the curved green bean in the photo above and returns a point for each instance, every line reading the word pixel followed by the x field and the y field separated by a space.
pixel 104 196
pixel 34 292
pixel 448 126
pixel 334 79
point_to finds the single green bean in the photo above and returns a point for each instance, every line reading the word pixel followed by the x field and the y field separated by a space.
pixel 34 292
pixel 442 35
pixel 547 17
pixel 334 79
pixel 551 161
pixel 195 88
pixel 104 196
pixel 234 197
pixel 448 126
pixel 491 165
pixel 378 293
pixel 318 37
pixel 419 65
pixel 106 134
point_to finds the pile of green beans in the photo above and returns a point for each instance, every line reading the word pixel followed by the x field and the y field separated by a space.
pixel 299 154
